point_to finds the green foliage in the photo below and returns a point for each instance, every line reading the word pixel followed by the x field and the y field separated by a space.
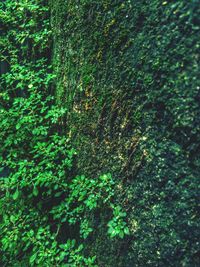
pixel 117 226
pixel 45 207
pixel 129 73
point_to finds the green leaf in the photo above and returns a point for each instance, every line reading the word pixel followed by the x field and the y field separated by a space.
pixel 35 191
pixel 32 258
pixel 18 126
pixel 16 194
pixel 121 234
pixel 12 218
pixel 58 194
pixel 126 231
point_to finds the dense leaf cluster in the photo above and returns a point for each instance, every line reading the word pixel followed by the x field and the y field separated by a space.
pixel 129 72
pixel 47 211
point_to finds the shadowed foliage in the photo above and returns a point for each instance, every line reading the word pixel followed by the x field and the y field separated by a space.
pixel 128 72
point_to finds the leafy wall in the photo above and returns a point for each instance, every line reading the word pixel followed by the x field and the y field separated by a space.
pixel 127 71
pixel 48 211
